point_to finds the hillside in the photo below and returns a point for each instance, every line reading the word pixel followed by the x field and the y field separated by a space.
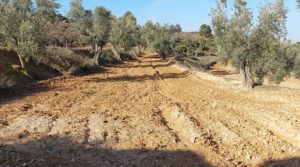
pixel 149 112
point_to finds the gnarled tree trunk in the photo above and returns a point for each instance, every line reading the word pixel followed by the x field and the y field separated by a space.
pixel 162 56
pixel 246 75
pixel 114 51
pixel 98 53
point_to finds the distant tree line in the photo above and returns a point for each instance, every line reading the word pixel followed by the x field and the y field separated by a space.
pixel 27 28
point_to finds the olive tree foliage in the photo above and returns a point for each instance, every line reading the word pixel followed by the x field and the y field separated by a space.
pixel 148 34
pixel 268 38
pixel 233 37
pixel 238 38
pixel 206 38
pixel 160 38
pixel 22 28
pixel 258 50
pixel 297 64
pixel 47 8
pixel 2 40
pixel 82 20
pixel 102 22
pixel 219 25
pixel 298 3
pixel 205 30
pixel 293 58
pixel 125 32
pixel 165 39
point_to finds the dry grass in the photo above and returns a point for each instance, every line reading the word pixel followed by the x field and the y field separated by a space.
pixel 64 60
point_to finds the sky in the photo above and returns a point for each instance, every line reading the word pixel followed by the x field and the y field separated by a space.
pixel 190 14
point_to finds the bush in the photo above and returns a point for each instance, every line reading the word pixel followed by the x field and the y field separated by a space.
pixel 163 46
pixel 181 48
pixel 136 52
pixel 64 60
pixel 205 61
pixel 108 58
pixel 297 66
pixel 126 56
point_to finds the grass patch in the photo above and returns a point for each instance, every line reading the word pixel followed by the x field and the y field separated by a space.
pixel 89 92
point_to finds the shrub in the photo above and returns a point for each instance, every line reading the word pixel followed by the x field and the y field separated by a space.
pixel 126 56
pixel 108 58
pixel 64 60
pixel 297 67
pixel 163 46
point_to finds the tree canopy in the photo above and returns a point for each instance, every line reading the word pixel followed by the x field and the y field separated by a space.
pixel 205 31
pixel 255 50
pixel 82 20
pixel 101 29
pixel 22 27
pixel 126 32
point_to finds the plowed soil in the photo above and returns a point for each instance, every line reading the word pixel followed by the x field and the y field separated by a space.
pixel 149 112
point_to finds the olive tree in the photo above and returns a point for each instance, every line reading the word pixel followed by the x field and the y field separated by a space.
pixel 125 32
pixel 219 25
pixel 22 28
pixel 254 50
pixel 238 38
pixel 82 20
pixel 268 37
pixel 148 34
pixel 232 37
pixel 163 47
pixel 160 38
pixel 206 37
pixel 205 31
pixel 47 8
pixel 101 30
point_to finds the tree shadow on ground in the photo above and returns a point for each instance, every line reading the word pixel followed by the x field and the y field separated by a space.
pixel 292 162
pixel 156 61
pixel 63 151
pixel 145 66
pixel 93 70
pixel 154 56
pixel 156 76
pixel 11 94
pixel 221 72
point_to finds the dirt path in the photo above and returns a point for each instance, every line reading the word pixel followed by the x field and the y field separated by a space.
pixel 149 113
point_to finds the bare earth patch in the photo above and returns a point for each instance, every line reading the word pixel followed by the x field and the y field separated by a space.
pixel 150 113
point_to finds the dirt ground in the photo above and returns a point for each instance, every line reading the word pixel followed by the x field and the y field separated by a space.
pixel 149 113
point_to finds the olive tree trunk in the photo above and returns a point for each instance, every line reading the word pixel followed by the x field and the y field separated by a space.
pixel 162 56
pixel 246 75
pixel 21 61
pixel 114 51
pixel 98 53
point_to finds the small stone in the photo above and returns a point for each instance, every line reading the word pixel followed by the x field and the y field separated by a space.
pixel 73 160
pixel 24 164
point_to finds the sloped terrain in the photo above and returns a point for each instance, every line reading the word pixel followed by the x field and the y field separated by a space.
pixel 10 74
pixel 149 113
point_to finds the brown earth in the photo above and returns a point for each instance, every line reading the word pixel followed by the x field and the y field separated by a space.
pixel 149 113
